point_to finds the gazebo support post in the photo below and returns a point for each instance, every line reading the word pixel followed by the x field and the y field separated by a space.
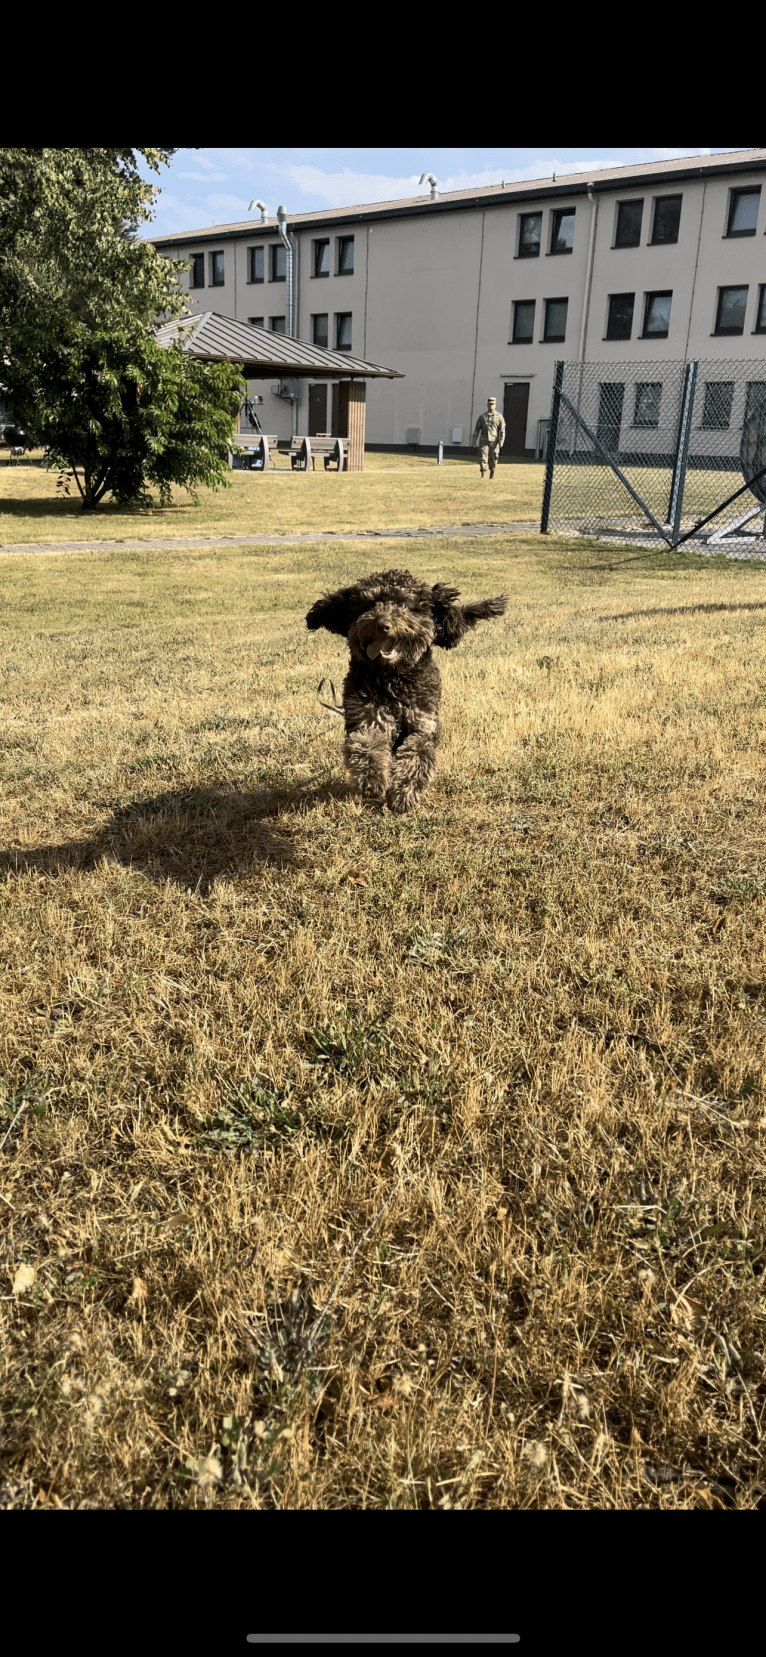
pixel 351 413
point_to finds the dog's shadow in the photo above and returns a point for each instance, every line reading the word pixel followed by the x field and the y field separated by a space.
pixel 189 836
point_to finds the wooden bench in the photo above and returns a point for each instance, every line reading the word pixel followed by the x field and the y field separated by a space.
pixel 254 450
pixel 305 449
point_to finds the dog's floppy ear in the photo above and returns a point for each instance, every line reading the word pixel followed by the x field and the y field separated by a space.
pixel 335 611
pixel 452 621
pixel 484 608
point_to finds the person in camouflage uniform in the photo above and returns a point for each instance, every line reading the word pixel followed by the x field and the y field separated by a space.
pixel 490 430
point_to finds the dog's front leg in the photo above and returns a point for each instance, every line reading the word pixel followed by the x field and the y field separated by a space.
pixel 370 733
pixel 413 763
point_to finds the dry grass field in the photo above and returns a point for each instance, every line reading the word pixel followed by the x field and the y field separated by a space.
pixel 359 1162
pixel 388 494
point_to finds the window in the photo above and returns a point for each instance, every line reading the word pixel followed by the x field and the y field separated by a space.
pixel 716 412
pixel 555 319
pixel 619 323
pixel 760 321
pixel 278 255
pixel 667 217
pixel 657 315
pixel 647 410
pixel 319 330
pixel 255 264
pixel 523 321
pixel 629 216
pixel 343 331
pixel 321 258
pixel 197 271
pixel 345 255
pixel 216 270
pixel 530 235
pixel 255 321
pixel 277 324
pixel 562 237
pixel 743 212
pixel 731 311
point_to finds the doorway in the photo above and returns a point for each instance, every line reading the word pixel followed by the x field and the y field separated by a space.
pixel 317 410
pixel 610 400
pixel 515 411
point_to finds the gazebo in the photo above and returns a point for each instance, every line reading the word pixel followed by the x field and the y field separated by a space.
pixel 215 338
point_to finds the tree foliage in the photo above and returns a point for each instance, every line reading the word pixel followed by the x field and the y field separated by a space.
pixel 80 301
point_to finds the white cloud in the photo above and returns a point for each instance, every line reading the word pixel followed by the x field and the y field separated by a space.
pixel 202 161
pixel 321 189
pixel 205 178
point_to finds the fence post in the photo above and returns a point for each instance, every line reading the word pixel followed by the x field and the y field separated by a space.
pixel 553 431
pixel 680 461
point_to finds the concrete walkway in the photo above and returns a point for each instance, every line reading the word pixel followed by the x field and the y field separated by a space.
pixel 182 542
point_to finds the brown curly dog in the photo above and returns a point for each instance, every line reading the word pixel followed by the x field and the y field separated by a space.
pixel 392 691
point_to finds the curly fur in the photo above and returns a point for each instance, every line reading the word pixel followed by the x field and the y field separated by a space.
pixel 392 691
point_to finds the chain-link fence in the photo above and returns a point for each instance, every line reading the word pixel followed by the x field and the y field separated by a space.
pixel 659 454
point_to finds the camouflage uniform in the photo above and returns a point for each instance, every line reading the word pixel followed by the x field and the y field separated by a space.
pixel 490 429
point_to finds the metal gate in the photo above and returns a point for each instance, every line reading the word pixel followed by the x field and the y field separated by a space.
pixel 660 454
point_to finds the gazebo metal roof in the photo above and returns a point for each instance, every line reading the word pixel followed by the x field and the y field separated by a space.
pixel 217 338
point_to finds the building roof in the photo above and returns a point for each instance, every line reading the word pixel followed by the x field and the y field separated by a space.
pixel 216 338
pixel 599 179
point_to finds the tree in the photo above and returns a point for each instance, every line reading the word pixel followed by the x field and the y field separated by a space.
pixel 80 300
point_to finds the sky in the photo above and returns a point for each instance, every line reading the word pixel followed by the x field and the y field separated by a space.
pixel 202 187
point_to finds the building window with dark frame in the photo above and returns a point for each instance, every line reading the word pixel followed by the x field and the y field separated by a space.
pixel 562 233
pixel 657 315
pixel 278 262
pixel 255 321
pixel 277 324
pixel 628 228
pixel 321 259
pixel 530 235
pixel 343 330
pixel 255 264
pixel 197 273
pixel 743 212
pixel 345 256
pixel 216 270
pixel 730 316
pixel 523 321
pixel 716 411
pixel 646 414
pixel 319 329
pixel 555 319
pixel 667 217
pixel 760 321
pixel 619 323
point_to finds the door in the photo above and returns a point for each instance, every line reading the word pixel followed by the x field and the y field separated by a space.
pixel 610 401
pixel 515 410
pixel 317 410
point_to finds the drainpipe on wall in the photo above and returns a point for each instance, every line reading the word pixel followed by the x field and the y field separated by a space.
pixel 586 299
pixel 694 279
pixel 282 226
pixel 476 339
pixel 589 272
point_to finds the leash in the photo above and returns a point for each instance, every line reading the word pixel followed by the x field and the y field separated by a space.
pixel 332 707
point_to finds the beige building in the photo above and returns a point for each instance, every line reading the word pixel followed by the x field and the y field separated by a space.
pixel 477 293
